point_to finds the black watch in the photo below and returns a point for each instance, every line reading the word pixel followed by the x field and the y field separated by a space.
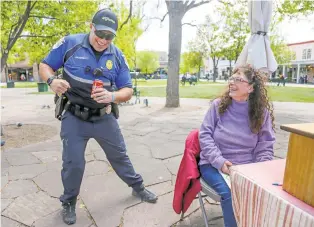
pixel 50 79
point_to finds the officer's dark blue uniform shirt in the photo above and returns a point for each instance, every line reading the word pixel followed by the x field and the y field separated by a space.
pixel 79 67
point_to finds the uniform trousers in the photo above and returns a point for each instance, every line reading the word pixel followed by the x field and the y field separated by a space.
pixel 75 134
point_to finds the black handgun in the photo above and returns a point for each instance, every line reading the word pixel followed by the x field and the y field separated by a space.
pixel 60 103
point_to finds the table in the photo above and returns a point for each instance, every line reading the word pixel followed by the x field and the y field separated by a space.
pixel 258 203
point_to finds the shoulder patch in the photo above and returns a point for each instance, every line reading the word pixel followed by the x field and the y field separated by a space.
pixel 59 43
pixel 126 62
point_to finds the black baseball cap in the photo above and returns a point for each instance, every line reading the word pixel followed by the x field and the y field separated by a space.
pixel 105 20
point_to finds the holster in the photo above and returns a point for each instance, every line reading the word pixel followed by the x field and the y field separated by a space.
pixel 115 110
pixel 60 103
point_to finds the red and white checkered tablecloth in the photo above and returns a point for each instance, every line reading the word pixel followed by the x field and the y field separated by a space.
pixel 258 203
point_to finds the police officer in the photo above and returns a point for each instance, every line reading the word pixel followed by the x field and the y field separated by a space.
pixel 84 58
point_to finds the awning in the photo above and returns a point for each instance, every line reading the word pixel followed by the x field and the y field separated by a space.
pixel 257 51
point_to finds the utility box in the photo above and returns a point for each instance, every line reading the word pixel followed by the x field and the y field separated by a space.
pixel 299 172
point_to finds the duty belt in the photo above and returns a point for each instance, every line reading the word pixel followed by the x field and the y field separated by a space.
pixel 84 113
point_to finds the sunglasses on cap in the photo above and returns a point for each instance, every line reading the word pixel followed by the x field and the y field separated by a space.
pixel 104 34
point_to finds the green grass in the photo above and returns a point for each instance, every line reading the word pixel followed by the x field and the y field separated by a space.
pixel 209 91
pixel 291 94
pixel 22 85
pixel 41 93
pixel 281 94
pixel 142 82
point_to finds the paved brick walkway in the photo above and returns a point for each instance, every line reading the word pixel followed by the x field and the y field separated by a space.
pixel 155 136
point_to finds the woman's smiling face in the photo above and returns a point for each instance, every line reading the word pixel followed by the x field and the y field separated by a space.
pixel 239 86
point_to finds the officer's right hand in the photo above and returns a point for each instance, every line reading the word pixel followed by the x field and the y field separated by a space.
pixel 59 86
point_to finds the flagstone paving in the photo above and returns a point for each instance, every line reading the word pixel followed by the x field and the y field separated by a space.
pixel 154 135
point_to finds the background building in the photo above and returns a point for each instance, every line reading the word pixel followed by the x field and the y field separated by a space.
pixel 302 65
pixel 298 70
pixel 21 71
pixel 163 59
pixel 223 67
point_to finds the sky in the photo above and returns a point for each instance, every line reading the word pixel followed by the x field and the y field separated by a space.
pixel 156 37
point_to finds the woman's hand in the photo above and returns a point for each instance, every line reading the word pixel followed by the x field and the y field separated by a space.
pixel 225 167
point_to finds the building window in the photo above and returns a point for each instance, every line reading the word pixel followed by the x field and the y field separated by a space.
pixel 304 54
pixel 309 53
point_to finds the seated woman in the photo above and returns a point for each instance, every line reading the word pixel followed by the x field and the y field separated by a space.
pixel 237 129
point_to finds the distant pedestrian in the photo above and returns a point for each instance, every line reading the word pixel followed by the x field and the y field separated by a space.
pixel 282 80
pixel 10 77
pixel 183 80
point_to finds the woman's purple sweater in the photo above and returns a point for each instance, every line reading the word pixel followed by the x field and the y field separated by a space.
pixel 229 137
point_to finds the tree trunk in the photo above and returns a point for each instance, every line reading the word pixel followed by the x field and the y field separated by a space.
pixel 4 59
pixel 15 32
pixel 175 39
pixel 230 71
pixel 215 69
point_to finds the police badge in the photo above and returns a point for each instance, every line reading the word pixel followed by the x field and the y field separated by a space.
pixel 109 64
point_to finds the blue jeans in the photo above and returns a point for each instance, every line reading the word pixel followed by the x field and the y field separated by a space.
pixel 214 179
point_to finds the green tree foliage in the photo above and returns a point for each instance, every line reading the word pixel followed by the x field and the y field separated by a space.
pixel 129 30
pixel 191 62
pixel 282 53
pixel 32 27
pixel 235 28
pixel 147 61
pixel 197 51
pixel 211 35
pixel 296 8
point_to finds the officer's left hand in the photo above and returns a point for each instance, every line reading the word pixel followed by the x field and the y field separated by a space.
pixel 101 95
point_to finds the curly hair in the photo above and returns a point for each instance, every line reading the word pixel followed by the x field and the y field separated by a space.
pixel 258 99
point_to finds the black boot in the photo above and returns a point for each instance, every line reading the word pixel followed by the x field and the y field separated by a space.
pixel 68 212
pixel 145 195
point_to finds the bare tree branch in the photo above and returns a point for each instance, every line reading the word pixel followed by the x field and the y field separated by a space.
pixel 37 36
pixel 164 17
pixel 33 5
pixel 193 5
pixel 225 3
pixel 186 3
pixel 38 16
pixel 129 16
pixel 190 24
pixel 13 26
pixel 21 24
pixel 161 19
pixel 158 4
pixel 145 29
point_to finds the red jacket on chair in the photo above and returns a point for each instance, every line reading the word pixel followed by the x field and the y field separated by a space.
pixel 188 182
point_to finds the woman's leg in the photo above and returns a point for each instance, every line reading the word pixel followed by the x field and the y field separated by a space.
pixel 214 179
